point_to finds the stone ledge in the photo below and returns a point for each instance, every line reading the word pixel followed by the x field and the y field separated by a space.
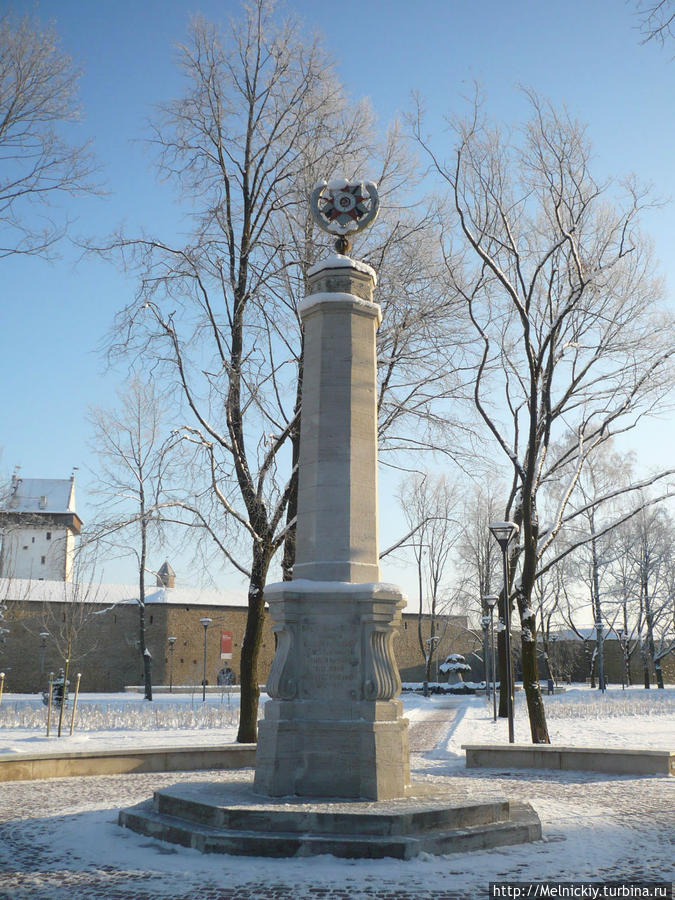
pixel 623 761
pixel 231 818
pixel 29 767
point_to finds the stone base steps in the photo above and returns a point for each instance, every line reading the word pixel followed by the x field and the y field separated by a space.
pixel 25 767
pixel 230 819
pixel 594 759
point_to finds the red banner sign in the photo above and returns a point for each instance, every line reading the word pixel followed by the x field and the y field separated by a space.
pixel 226 645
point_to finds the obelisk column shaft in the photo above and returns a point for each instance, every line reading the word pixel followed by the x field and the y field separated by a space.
pixel 337 491
pixel 333 725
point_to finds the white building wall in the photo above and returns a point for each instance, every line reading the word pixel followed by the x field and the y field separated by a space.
pixel 38 554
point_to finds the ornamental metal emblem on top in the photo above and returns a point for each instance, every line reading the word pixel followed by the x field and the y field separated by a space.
pixel 343 208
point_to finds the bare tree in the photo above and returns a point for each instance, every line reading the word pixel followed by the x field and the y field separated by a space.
pixel 650 551
pixel 137 471
pixel 573 346
pixel 209 313
pixel 429 506
pixel 68 617
pixel 601 542
pixel 262 114
pixel 38 97
pixel 656 20
pixel 479 556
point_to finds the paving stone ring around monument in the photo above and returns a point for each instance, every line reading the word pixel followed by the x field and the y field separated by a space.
pixel 342 207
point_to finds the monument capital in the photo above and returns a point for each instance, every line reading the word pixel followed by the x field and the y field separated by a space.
pixel 341 207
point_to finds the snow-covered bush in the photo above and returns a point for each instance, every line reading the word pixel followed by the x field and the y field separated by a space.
pixel 453 666
pixel 126 716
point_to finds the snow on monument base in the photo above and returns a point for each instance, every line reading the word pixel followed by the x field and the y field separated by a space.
pixel 333 725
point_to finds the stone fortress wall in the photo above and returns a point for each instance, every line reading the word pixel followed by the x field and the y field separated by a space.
pixel 105 645
pixel 105 648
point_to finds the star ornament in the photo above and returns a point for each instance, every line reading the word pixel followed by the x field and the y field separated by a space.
pixel 343 207
pixel 345 204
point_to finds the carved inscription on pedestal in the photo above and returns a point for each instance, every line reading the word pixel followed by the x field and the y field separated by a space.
pixel 329 658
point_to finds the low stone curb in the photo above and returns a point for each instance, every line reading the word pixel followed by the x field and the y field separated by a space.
pixel 25 767
pixel 596 759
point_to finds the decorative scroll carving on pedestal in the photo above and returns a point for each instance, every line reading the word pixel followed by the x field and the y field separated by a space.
pixel 282 683
pixel 381 678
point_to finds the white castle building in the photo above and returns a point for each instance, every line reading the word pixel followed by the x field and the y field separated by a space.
pixel 39 523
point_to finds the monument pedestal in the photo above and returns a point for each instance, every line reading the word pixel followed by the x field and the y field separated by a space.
pixel 333 725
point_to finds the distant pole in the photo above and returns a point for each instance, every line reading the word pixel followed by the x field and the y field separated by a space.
pixel 205 622
pixel 491 602
pixel 172 641
pixel 2 684
pixel 601 653
pixel 43 646
pixel 64 692
pixel 485 625
pixel 49 702
pixel 503 533
pixel 622 653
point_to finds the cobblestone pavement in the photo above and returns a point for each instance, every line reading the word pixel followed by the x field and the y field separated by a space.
pixel 59 841
pixel 425 733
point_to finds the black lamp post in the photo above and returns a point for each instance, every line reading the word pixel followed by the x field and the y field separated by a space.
pixel 172 642
pixel 205 622
pixel 622 652
pixel 491 602
pixel 503 533
pixel 43 646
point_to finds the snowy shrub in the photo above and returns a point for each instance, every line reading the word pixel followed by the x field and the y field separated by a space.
pixel 595 705
pixel 455 662
pixel 126 716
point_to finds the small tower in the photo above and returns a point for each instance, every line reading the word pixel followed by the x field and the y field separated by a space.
pixel 38 523
pixel 166 577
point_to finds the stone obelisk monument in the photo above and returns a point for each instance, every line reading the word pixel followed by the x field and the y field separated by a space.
pixel 333 730
pixel 333 726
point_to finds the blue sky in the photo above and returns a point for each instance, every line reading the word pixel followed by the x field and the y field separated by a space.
pixel 53 317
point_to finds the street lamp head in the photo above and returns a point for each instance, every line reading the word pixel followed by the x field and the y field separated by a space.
pixel 44 634
pixel 503 532
pixel 172 641
pixel 490 601
pixel 206 621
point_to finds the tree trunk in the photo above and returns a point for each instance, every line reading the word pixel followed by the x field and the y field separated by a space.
pixel 288 560
pixel 535 702
pixel 649 619
pixel 645 665
pixel 591 671
pixel 547 659
pixel 250 691
pixel 530 663
pixel 430 655
pixel 597 611
pixel 66 672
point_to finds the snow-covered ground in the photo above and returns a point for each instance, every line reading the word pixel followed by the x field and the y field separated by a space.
pixel 578 717
pixel 109 721
pixel 61 840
